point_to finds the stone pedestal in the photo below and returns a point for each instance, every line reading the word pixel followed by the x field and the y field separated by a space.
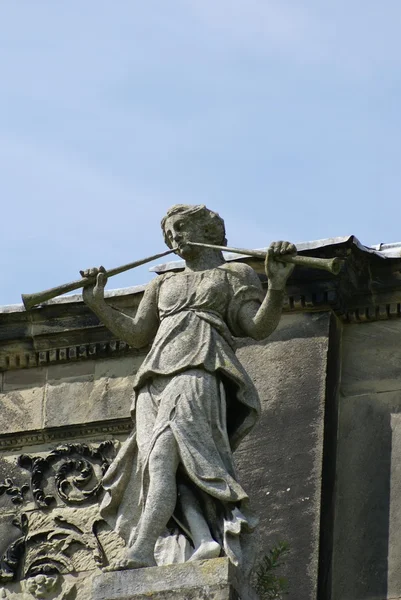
pixel 215 579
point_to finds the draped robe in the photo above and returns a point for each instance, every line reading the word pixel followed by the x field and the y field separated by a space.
pixel 192 383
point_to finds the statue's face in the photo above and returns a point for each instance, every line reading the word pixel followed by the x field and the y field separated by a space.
pixel 181 228
pixel 41 585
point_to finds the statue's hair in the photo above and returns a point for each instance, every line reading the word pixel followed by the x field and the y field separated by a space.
pixel 210 221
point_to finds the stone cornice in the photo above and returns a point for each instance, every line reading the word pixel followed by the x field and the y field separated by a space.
pixel 367 289
pixel 15 360
pixel 110 428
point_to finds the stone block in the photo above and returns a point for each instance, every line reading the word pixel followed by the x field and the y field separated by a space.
pixel 23 379
pixel 394 542
pixel 87 402
pixel 371 358
pixel 213 579
pixel 281 462
pixel 125 366
pixel 67 404
pixel 78 371
pixel 112 397
pixel 21 410
pixel 367 549
pixel 90 391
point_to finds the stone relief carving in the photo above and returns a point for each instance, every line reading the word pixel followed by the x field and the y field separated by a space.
pixel 16 493
pixel 172 493
pixel 49 585
pixel 72 475
pixel 62 535
pixel 64 539
pixel 11 559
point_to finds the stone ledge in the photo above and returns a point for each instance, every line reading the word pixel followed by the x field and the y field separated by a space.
pixel 215 579
pixel 68 432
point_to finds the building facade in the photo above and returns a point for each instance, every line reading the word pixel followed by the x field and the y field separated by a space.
pixel 322 467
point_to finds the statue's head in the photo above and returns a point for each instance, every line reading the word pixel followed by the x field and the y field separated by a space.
pixel 195 223
pixel 41 585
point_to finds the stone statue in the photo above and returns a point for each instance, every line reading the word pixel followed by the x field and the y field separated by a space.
pixel 172 491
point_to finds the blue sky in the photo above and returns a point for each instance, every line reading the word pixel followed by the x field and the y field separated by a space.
pixel 284 116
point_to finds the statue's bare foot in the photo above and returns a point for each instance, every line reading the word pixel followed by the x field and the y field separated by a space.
pixel 131 562
pixel 206 550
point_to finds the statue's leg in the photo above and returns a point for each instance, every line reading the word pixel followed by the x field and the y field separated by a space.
pixel 205 545
pixel 160 501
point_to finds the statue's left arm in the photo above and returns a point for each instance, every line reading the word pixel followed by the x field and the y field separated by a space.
pixel 256 320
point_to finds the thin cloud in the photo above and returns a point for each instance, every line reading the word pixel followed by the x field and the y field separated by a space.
pixel 355 37
pixel 282 115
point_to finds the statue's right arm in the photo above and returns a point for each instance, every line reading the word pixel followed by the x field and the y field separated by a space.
pixel 137 331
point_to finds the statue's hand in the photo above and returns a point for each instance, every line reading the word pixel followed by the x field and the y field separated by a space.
pixel 93 293
pixel 278 272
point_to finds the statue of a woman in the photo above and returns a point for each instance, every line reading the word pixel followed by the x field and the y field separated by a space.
pixel 172 491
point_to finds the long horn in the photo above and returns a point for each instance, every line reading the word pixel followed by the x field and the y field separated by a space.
pixel 333 265
pixel 31 300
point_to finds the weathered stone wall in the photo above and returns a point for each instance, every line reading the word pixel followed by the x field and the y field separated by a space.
pixel 322 467
pixel 367 550
pixel 72 393
pixel 281 461
pixel 87 401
